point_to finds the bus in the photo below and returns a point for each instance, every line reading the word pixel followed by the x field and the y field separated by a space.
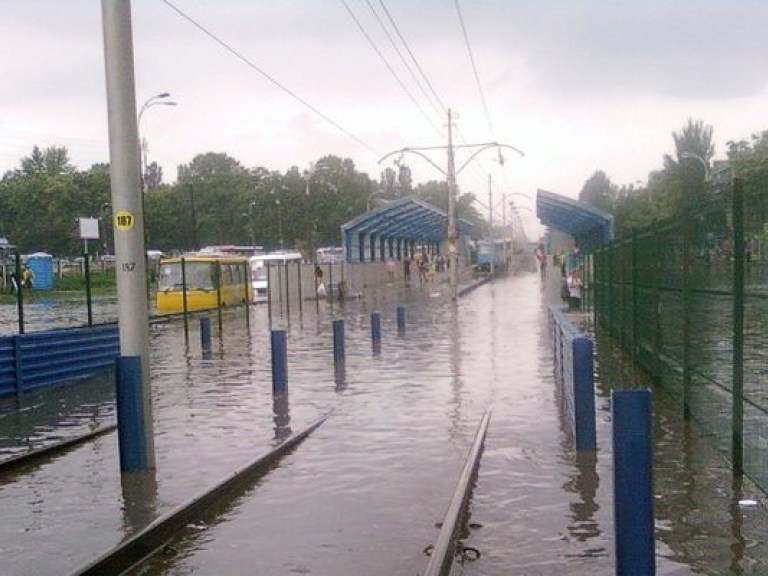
pixel 211 280
pixel 260 275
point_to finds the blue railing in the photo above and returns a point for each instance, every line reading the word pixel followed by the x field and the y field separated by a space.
pixel 38 359
pixel 574 374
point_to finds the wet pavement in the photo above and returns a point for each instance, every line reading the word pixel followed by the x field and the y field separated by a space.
pixel 365 492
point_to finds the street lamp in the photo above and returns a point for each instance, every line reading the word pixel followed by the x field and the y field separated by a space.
pixel 279 225
pixel 154 101
pixel 252 210
pixel 702 161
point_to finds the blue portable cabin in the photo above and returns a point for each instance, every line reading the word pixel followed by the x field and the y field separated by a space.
pixel 41 266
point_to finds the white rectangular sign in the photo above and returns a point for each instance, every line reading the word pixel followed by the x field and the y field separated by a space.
pixel 89 228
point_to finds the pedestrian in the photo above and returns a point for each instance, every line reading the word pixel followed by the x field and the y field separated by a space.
pixel 575 286
pixel 407 271
pixel 14 284
pixel 27 277
pixel 391 270
pixel 319 284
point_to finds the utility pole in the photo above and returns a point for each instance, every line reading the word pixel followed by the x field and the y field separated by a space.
pixel 453 236
pixel 450 174
pixel 490 218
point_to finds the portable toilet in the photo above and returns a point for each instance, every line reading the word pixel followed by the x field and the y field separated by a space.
pixel 41 265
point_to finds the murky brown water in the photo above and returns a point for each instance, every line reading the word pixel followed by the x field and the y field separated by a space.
pixel 364 493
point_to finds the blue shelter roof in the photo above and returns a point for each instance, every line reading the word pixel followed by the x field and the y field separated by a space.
pixel 589 226
pixel 407 218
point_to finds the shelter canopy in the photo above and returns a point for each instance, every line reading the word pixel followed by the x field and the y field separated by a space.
pixel 589 226
pixel 407 219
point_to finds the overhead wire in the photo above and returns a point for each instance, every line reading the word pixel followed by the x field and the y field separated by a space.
pixel 413 57
pixel 268 77
pixel 388 65
pixel 416 79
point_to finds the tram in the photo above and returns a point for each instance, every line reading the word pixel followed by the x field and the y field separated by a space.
pixel 211 281
pixel 493 255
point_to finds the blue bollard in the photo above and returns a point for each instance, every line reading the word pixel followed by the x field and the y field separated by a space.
pixel 633 482
pixel 130 414
pixel 584 393
pixel 376 326
pixel 401 319
pixel 279 362
pixel 339 355
pixel 205 333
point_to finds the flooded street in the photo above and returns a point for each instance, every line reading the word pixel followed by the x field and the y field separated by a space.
pixel 364 494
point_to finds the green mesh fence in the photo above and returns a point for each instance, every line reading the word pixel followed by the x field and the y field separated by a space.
pixel 689 300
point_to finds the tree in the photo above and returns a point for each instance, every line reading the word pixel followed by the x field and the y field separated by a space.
pixel 599 192
pixel 53 161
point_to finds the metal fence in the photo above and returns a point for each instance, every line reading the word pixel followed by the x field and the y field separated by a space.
pixel 689 300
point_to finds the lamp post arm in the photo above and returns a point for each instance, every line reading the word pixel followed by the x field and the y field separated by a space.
pixel 418 153
pixel 483 148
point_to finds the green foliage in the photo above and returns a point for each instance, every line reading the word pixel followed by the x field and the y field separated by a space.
pixel 599 191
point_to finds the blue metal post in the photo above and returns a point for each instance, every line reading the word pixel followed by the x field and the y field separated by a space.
pixel 130 414
pixel 205 333
pixel 584 393
pixel 376 326
pixel 338 343
pixel 633 482
pixel 279 361
pixel 401 319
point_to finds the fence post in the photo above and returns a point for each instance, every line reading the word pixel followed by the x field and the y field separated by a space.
pixel 130 414
pixel 17 363
pixel 279 361
pixel 584 393
pixel 633 482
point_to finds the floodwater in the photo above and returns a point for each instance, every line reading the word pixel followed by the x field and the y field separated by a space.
pixel 365 493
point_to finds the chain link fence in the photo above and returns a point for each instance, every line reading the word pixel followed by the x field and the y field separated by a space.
pixel 689 300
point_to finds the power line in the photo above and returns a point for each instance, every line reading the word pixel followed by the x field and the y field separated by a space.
pixel 253 66
pixel 403 59
pixel 388 65
pixel 413 57
pixel 474 69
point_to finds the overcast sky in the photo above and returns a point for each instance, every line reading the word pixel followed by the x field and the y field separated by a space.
pixel 577 86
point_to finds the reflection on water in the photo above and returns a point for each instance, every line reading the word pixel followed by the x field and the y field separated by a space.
pixel 46 313
pixel 364 492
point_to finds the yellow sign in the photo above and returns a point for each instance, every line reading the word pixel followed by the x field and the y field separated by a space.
pixel 124 220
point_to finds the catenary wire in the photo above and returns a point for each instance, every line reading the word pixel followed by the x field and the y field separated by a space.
pixel 388 65
pixel 474 69
pixel 264 74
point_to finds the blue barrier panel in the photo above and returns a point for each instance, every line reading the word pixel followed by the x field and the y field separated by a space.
pixel 633 482
pixel 279 361
pixel 130 414
pixel 338 342
pixel 574 375
pixel 584 393
pixel 38 359
pixel 401 319
pixel 205 333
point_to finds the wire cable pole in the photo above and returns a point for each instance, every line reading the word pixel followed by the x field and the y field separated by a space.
pixel 450 174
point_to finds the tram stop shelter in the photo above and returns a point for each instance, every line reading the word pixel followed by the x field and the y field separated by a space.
pixel 589 226
pixel 395 230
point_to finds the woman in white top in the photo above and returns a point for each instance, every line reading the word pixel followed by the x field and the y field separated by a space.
pixel 574 289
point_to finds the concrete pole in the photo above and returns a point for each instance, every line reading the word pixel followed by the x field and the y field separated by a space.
pixel 490 217
pixel 130 262
pixel 453 235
